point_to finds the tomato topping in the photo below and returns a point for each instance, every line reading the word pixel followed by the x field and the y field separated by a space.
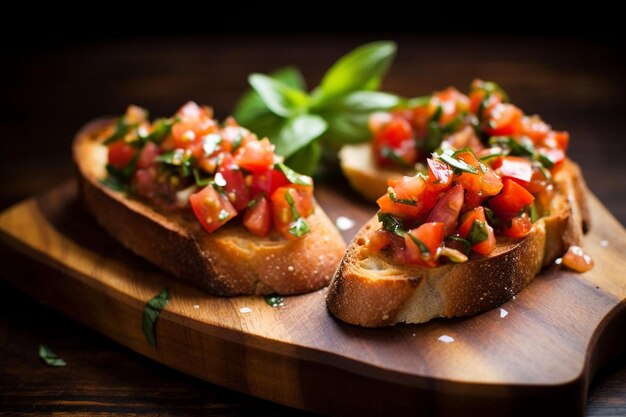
pixel 575 258
pixel 439 175
pixel 520 226
pixel 285 213
pixel 423 242
pixel 377 240
pixel 234 183
pixel 447 209
pixel 514 168
pixel 212 209
pixel 511 201
pixel 394 144
pixel 468 219
pixel 403 199
pixel 258 218
pixel 267 182
pixel 121 154
pixel 503 119
pixel 256 155
pixel 488 245
pixel 146 158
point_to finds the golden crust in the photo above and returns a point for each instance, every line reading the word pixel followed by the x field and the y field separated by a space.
pixel 372 290
pixel 230 261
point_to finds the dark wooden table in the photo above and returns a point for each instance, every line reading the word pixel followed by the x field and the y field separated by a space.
pixel 47 93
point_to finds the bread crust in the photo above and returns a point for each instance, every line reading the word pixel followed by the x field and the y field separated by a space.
pixel 230 261
pixel 373 290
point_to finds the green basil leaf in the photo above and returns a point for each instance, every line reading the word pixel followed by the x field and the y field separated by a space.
pixel 417 102
pixel 256 200
pixel 274 300
pixel 392 195
pixel 293 176
pixel 458 243
pixel 114 183
pixel 534 216
pixel 299 228
pixel 161 128
pixel 478 232
pixel 306 159
pixel 151 313
pixel 201 182
pixel 456 164
pixel 49 357
pixel 392 224
pixel 389 153
pixel 121 129
pixel 422 247
pixel 297 132
pixel 281 99
pixel 292 205
pixel 545 160
pixel 251 109
pixel 521 148
pixel 178 158
pixel 360 69
pixel 491 87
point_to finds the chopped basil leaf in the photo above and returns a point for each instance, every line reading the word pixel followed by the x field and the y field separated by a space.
pixel 49 357
pixel 293 176
pixel 274 300
pixel 482 106
pixel 389 153
pixel 392 224
pixel 534 216
pixel 117 179
pixel 454 124
pixel 298 227
pixel 453 255
pixel 545 160
pixel 178 158
pixel 478 232
pixel 458 243
pixel 121 130
pixel 489 214
pixel 491 87
pixel 417 102
pixel 210 143
pixel 437 114
pixel 237 142
pixel 435 136
pixel 456 164
pixel 151 313
pixel 522 148
pixel 491 156
pixel 114 183
pixel 545 172
pixel 201 182
pixel 392 196
pixel 161 128
pixel 422 247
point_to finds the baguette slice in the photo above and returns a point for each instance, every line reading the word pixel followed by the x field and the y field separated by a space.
pixel 229 261
pixel 364 175
pixel 372 290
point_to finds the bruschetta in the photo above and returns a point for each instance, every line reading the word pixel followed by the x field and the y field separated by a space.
pixel 208 202
pixel 474 227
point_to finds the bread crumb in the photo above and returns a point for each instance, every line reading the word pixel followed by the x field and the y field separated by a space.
pixel 446 339
pixel 604 243
pixel 245 310
pixel 196 306
pixel 344 223
pixel 385 317
pixel 290 268
pixel 503 313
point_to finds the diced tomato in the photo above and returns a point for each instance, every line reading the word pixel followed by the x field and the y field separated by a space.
pixel 472 200
pixel 258 218
pixel 488 245
pixel 212 209
pixel 396 136
pixel 447 209
pixel 439 175
pixel 452 103
pixel 235 186
pixel 282 211
pixel 538 182
pixel 575 258
pixel 378 120
pixel 121 154
pixel 431 235
pixel 468 218
pixel 419 121
pixel 267 182
pixel 483 183
pixel 491 183
pixel 556 156
pixel 408 189
pixel 514 168
pixel 561 139
pixel 255 155
pixel 377 240
pixel 503 119
pixel 195 122
pixel 520 226
pixel 534 128
pixel 511 201
pixel 146 158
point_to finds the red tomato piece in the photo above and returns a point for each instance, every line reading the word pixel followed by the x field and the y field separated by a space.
pixel 575 258
pixel 439 175
pixel 431 236
pixel 472 200
pixel 146 158
pixel 212 209
pixel 511 201
pixel 408 191
pixel 255 155
pixel 121 154
pixel 514 168
pixel 258 218
pixel 520 226
pixel 447 209
pixel 395 136
pixel 235 186
pixel 503 119
pixel 282 211
pixel 468 219
pixel 377 240
pixel 486 246
pixel 267 182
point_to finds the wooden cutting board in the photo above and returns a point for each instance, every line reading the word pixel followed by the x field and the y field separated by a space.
pixel 537 353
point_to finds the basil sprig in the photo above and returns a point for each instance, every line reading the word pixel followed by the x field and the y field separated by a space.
pixel 298 227
pixel 293 176
pixel 301 124
pixel 151 313
pixel 49 357
pixel 478 232
pixel 392 224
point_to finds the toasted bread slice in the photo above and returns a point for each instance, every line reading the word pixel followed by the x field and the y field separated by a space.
pixel 358 165
pixel 373 290
pixel 229 261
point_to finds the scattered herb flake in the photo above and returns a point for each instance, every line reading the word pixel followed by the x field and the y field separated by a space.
pixel 422 247
pixel 392 224
pixel 405 201
pixel 478 232
pixel 389 153
pixel 456 164
pixel 151 313
pixel 298 227
pixel 49 357
pixel 293 176
pixel 274 300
